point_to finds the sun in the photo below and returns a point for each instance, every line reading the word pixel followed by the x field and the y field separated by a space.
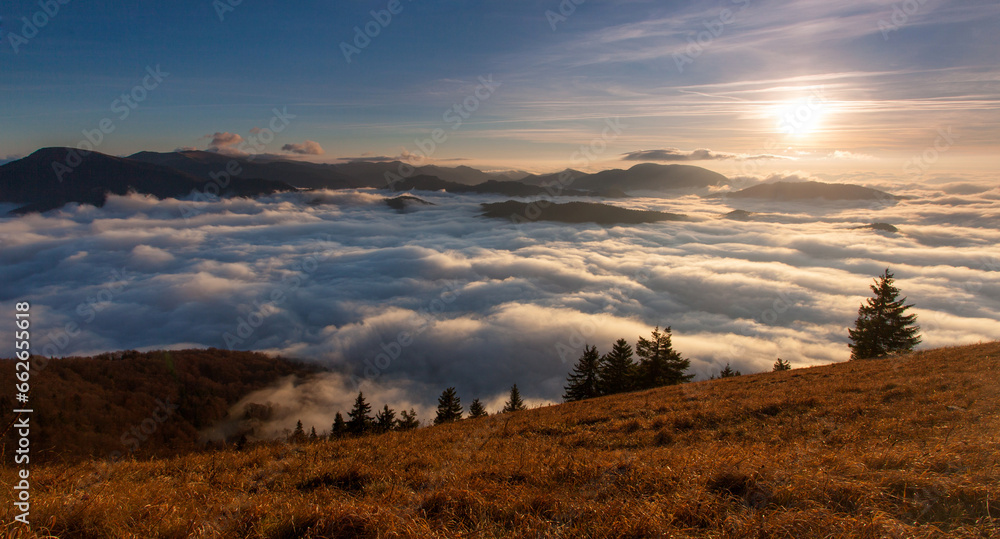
pixel 802 116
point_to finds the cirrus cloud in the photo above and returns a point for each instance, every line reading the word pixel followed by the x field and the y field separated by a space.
pixel 701 154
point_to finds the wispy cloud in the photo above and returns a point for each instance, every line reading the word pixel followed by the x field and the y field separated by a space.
pixel 702 154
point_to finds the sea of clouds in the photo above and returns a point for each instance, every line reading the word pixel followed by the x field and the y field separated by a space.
pixel 404 304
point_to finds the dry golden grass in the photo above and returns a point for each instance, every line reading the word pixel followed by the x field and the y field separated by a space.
pixel 906 447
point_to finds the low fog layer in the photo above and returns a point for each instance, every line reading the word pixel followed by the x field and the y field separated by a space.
pixel 409 303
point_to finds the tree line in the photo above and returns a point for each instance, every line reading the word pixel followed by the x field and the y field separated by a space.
pixel 360 420
pixel 618 371
pixel 882 328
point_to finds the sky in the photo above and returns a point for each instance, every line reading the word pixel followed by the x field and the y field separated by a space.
pixel 824 87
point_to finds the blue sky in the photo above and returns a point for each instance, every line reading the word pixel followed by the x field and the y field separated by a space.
pixel 867 97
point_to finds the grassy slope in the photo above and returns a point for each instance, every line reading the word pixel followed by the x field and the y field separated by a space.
pixel 893 448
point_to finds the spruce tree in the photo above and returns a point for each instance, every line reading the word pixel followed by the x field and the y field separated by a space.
pixel 781 365
pixel 312 435
pixel 476 409
pixel 616 372
pixel 299 434
pixel 583 381
pixel 407 420
pixel 339 427
pixel 449 407
pixel 515 404
pixel 361 420
pixel 728 372
pixel 659 363
pixel 882 327
pixel 386 419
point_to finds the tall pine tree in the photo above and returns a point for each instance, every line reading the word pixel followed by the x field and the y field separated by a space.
pixel 882 327
pixel 360 416
pixel 617 369
pixel 582 382
pixel 659 363
pixel 515 403
pixel 449 407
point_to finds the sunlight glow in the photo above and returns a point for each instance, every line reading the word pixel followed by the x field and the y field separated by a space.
pixel 803 116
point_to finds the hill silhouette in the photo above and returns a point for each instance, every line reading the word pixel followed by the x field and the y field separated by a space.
pixel 296 173
pixel 789 191
pixel 43 181
pixel 574 212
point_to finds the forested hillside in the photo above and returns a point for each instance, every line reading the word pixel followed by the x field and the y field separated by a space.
pixel 96 406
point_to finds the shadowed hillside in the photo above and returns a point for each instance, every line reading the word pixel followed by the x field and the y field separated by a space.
pixel 574 212
pixel 52 177
pixel 902 447
pixel 785 191
pixel 89 406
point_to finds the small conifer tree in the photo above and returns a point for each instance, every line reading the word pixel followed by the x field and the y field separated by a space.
pixel 583 381
pixel 515 403
pixel 616 372
pixel 386 419
pixel 407 420
pixel 476 409
pixel 361 420
pixel 659 363
pixel 339 427
pixel 728 372
pixel 299 434
pixel 449 407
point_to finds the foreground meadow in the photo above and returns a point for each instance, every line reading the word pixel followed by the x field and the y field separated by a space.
pixel 903 447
